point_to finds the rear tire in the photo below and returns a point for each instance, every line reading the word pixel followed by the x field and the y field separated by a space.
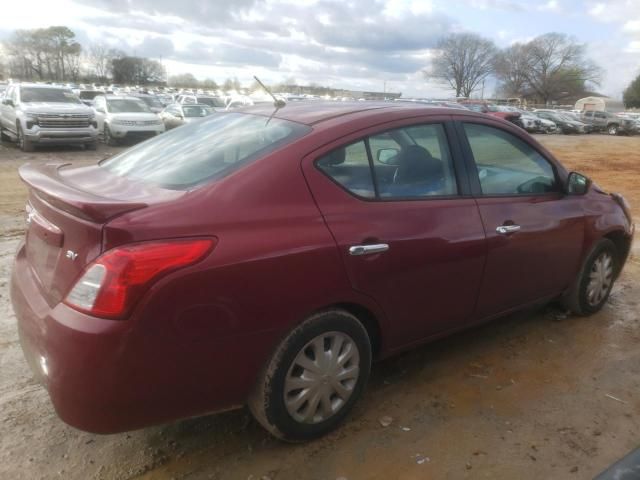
pixel 612 129
pixel 592 287
pixel 314 378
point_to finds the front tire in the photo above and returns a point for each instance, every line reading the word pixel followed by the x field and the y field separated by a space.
pixel 591 289
pixel 24 144
pixel 612 129
pixel 108 139
pixel 314 378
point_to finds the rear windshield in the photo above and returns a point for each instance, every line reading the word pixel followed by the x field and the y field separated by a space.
pixel 211 101
pixel 35 94
pixel 205 150
pixel 196 111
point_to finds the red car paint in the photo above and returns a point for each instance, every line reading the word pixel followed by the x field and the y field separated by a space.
pixel 196 340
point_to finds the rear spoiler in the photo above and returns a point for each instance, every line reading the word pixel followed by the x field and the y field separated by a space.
pixel 47 184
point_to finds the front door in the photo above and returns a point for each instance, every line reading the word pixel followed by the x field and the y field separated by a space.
pixel 407 235
pixel 534 231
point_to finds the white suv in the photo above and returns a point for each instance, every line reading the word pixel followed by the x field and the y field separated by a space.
pixel 128 118
pixel 34 114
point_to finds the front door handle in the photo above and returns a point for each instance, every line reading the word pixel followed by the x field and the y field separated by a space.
pixel 507 229
pixel 358 250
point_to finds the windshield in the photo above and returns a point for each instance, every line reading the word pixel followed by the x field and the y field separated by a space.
pixel 196 111
pixel 151 101
pixel 122 105
pixel 211 101
pixel 90 94
pixel 203 151
pixel 35 94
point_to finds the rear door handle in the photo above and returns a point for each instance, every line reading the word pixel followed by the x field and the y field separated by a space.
pixel 358 250
pixel 507 229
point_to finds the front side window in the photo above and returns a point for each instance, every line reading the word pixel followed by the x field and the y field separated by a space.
pixel 405 163
pixel 507 165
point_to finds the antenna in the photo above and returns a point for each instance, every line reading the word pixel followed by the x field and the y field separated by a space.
pixel 277 102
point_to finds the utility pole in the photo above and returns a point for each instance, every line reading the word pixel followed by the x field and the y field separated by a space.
pixel 482 94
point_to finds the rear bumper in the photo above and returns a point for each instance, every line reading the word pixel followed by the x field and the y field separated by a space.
pixel 103 376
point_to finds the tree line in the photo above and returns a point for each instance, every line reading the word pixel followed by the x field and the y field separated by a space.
pixel 551 67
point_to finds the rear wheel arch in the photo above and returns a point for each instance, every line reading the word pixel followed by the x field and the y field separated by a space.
pixel 368 319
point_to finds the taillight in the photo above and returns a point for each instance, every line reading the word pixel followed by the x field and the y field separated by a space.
pixel 112 284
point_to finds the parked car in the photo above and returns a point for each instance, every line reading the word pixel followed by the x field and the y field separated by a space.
pixel 87 96
pixel 267 257
pixel 154 104
pixel 177 114
pixel 610 123
pixel 35 114
pixel 563 123
pixel 213 102
pixel 493 110
pixel 527 120
pixel 125 118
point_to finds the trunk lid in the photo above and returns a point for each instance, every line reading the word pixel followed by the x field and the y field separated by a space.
pixel 66 212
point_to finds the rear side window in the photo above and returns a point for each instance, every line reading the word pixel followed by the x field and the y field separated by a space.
pixel 205 150
pixel 349 166
pixel 506 165
pixel 405 163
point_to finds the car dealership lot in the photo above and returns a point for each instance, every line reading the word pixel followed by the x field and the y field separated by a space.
pixel 534 395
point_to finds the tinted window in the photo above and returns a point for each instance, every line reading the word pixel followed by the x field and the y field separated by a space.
pixel 35 94
pixel 204 150
pixel 411 162
pixel 422 166
pixel 349 166
pixel 507 165
pixel 196 111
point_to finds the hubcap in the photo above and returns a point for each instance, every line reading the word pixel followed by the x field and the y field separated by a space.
pixel 322 377
pixel 600 278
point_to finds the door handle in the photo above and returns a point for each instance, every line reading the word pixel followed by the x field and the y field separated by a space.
pixel 507 229
pixel 358 250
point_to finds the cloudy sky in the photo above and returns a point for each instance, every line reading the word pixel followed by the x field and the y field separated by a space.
pixel 355 44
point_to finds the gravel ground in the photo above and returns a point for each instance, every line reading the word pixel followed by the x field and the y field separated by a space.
pixel 536 395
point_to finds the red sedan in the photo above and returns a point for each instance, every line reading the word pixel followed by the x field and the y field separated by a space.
pixel 267 258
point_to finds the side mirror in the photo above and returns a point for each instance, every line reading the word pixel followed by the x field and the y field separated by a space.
pixel 8 101
pixel 577 184
pixel 388 156
pixel 100 109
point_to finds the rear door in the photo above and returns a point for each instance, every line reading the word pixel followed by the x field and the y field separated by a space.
pixel 534 231
pixel 396 201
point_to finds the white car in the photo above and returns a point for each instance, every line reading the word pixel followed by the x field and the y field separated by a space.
pixel 128 118
pixel 178 114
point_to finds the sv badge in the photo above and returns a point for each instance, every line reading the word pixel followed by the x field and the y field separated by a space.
pixel 71 255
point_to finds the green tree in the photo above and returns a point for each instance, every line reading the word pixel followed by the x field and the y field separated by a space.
pixel 631 95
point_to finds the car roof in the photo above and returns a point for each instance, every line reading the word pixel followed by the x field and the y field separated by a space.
pixel 41 85
pixel 314 112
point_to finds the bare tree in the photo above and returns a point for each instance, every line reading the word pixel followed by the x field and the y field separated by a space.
pixel 100 59
pixel 557 67
pixel 511 66
pixel 463 61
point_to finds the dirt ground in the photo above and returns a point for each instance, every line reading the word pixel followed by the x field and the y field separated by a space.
pixel 536 395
